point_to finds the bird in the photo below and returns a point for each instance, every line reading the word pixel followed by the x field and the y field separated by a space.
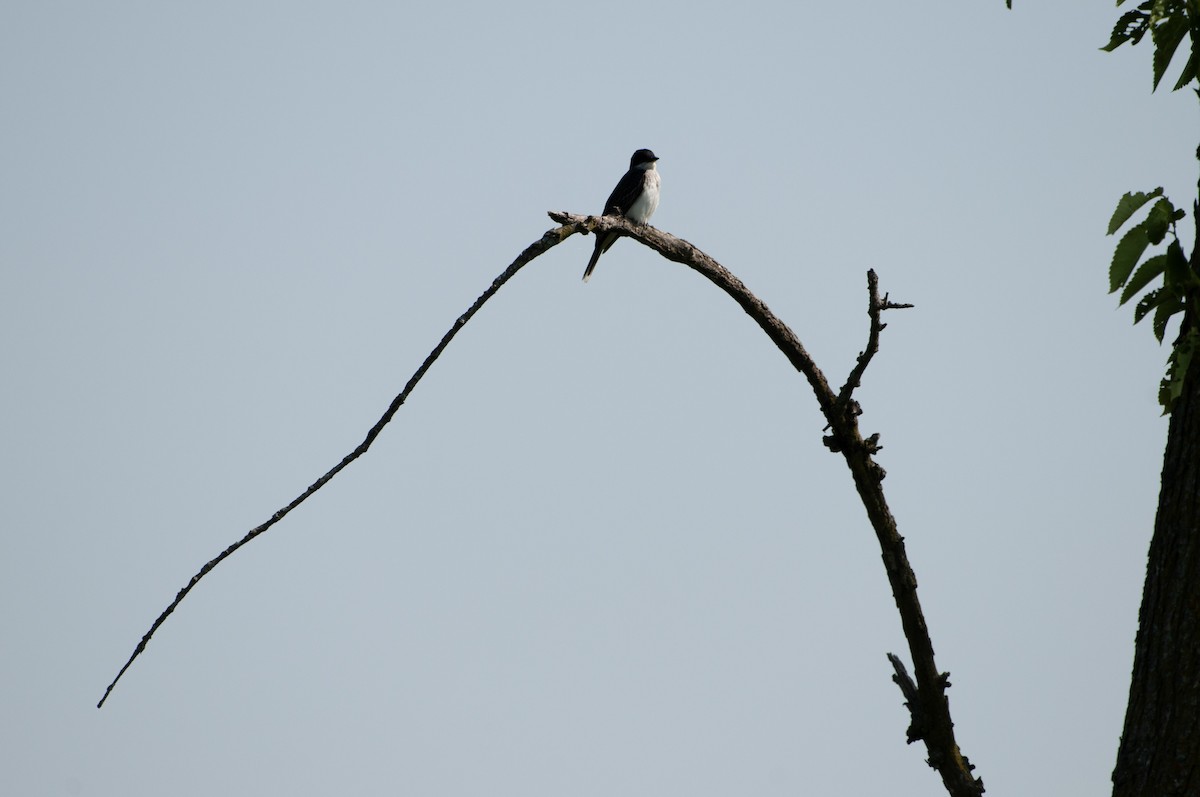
pixel 635 198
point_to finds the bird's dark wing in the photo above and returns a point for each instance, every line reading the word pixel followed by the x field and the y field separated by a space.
pixel 626 193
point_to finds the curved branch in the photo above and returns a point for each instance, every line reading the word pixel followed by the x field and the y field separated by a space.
pixel 927 700
pixel 680 251
pixel 549 240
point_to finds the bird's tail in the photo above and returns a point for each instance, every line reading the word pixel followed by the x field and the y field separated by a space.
pixel 587 272
pixel 602 246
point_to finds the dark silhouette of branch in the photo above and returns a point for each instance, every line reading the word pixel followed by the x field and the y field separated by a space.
pixel 909 690
pixel 680 251
pixel 928 703
pixel 874 310
pixel 925 697
pixel 551 239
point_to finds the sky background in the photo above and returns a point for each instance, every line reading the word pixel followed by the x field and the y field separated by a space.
pixel 601 551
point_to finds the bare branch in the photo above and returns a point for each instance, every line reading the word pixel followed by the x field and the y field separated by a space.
pixel 545 243
pixel 916 730
pixel 875 308
pixel 928 700
pixel 680 251
pixel 926 693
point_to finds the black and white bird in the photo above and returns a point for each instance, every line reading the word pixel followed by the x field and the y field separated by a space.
pixel 635 198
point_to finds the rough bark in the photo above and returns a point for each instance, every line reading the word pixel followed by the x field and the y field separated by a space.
pixel 1159 754
pixel 1160 746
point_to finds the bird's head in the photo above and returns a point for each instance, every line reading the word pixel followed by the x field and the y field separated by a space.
pixel 643 159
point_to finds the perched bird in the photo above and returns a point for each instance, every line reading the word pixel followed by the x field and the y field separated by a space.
pixel 635 198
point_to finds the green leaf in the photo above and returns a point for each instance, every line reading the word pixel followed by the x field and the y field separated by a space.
pixel 1159 220
pixel 1167 35
pixel 1191 70
pixel 1147 271
pixel 1148 303
pixel 1179 276
pixel 1131 26
pixel 1126 255
pixel 1163 313
pixel 1130 204
pixel 1178 363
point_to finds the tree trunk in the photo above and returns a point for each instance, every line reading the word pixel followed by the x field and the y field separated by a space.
pixel 1159 754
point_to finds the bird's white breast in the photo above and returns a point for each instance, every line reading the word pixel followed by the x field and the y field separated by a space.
pixel 645 205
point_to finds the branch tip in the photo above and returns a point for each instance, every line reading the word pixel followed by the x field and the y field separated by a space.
pixel 537 248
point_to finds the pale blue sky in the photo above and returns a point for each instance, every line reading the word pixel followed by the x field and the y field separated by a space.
pixel 602 550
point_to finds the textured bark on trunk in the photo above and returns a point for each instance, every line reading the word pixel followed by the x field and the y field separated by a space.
pixel 1160 746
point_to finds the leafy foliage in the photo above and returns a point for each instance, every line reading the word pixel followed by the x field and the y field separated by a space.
pixel 1168 22
pixel 1179 286
pixel 1177 366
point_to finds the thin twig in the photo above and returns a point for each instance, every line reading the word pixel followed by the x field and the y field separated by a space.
pixel 875 308
pixel 903 680
pixel 545 243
